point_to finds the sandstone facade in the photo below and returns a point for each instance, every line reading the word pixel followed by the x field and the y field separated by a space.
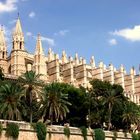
pixel 69 70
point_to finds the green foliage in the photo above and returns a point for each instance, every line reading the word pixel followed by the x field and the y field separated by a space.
pixel 138 135
pixel 1 128
pixel 99 134
pixel 84 132
pixel 33 125
pixel 135 136
pixel 12 130
pixel 32 86
pixel 10 101
pixel 67 131
pixel 41 131
pixel 79 108
pixel 55 102
pixel 115 135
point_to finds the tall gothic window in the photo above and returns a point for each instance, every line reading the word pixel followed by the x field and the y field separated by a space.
pixel 20 45
pixel 3 55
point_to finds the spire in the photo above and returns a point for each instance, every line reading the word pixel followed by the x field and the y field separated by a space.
pixel 39 49
pixel 3 49
pixel 18 28
pixel 2 40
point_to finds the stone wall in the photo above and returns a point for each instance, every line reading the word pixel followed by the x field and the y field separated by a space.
pixel 56 133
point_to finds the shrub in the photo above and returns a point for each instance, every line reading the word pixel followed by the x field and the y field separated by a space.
pixel 50 135
pixel 84 132
pixel 41 131
pixel 1 128
pixel 125 134
pixel 138 135
pixel 115 135
pixel 135 136
pixel 99 134
pixel 67 131
pixel 12 130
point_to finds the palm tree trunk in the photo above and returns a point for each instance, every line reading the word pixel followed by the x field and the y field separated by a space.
pixel 109 118
pixel 31 112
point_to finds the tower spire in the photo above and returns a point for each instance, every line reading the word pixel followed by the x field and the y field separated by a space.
pixel 39 49
pixel 2 39
pixel 18 28
pixel 3 48
pixel 18 37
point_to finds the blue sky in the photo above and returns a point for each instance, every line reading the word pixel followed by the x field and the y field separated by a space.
pixel 107 29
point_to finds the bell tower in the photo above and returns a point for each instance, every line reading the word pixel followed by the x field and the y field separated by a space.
pixel 18 52
pixel 3 51
pixel 18 37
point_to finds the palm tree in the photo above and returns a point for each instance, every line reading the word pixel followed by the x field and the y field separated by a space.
pixel 131 113
pixel 54 102
pixel 32 85
pixel 11 105
pixel 110 99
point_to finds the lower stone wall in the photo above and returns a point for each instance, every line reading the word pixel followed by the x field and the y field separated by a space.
pixel 57 133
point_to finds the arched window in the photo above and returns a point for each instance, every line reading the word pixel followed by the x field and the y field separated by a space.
pixel 3 55
pixel 20 45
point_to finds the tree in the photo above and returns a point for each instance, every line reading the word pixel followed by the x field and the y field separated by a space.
pixel 131 114
pixel 110 99
pixel 105 96
pixel 10 101
pixel 79 108
pixel 32 84
pixel 54 102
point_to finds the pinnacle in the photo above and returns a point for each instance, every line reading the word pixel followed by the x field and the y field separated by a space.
pixel 18 29
pixel 39 49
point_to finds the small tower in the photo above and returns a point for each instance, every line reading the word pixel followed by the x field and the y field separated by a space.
pixel 18 53
pixel 18 37
pixel 39 58
pixel 64 57
pixel 92 62
pixel 3 51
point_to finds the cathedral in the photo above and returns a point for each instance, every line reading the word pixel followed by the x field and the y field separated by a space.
pixel 65 69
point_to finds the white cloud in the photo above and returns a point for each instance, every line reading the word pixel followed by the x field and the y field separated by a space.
pixel 113 42
pixel 132 34
pixel 29 34
pixel 24 0
pixel 8 6
pixel 50 41
pixel 12 21
pixel 32 14
pixel 62 32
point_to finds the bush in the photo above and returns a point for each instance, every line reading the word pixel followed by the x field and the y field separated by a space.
pixel 67 131
pixel 1 128
pixel 135 136
pixel 12 130
pixel 84 132
pixel 138 135
pixel 99 134
pixel 41 131
pixel 115 135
